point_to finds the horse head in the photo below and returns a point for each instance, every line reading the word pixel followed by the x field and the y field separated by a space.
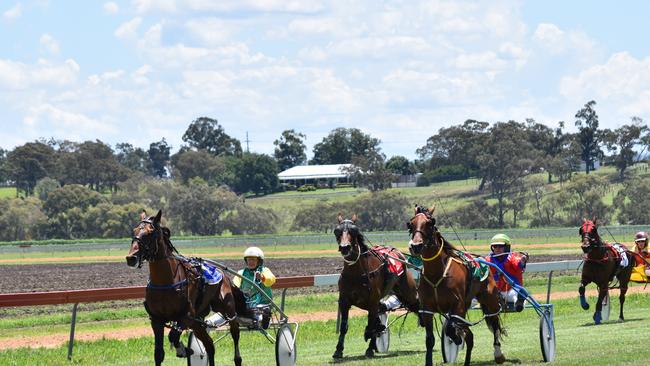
pixel 350 240
pixel 589 235
pixel 144 243
pixel 422 229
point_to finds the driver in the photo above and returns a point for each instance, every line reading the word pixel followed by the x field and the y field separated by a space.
pixel 641 247
pixel 513 264
pixel 255 272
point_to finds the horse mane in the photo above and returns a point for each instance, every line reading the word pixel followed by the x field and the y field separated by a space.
pixel 362 241
pixel 167 238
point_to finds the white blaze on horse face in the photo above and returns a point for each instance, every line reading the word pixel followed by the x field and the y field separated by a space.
pixel 346 240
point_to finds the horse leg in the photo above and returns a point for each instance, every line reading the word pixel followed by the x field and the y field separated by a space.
pixel 621 300
pixel 234 333
pixel 581 291
pixel 602 291
pixel 175 339
pixel 202 335
pixel 344 309
pixel 469 343
pixel 371 331
pixel 158 327
pixel 494 324
pixel 426 320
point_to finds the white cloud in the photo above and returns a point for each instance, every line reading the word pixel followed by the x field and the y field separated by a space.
pixel 294 6
pixel 111 8
pixel 623 81
pixel 49 44
pixel 70 123
pixel 20 76
pixel 14 13
pixel 128 30
pixel 479 61
pixel 147 6
pixel 380 47
pixel 210 31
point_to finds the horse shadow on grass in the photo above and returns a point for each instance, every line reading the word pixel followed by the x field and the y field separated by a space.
pixel 378 357
pixel 513 361
pixel 613 321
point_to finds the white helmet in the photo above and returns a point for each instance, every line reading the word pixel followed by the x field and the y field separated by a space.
pixel 254 252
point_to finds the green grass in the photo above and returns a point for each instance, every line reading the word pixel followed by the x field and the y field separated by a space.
pixel 579 342
pixel 7 192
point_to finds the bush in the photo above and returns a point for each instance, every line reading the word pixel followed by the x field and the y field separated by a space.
pixel 306 188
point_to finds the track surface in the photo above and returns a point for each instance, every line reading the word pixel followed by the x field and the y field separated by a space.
pixel 60 277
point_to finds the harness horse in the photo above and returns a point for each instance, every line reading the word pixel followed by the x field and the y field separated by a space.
pixel 601 266
pixel 448 287
pixel 365 281
pixel 175 295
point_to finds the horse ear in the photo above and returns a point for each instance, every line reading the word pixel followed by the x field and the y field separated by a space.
pixel 354 218
pixel 143 215
pixel 433 208
pixel 595 221
pixel 340 217
pixel 156 219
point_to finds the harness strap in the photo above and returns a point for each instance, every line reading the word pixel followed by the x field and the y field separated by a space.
pixel 167 287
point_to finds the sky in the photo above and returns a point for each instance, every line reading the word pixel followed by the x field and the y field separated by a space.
pixel 142 70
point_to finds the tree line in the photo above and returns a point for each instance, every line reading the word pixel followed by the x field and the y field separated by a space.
pixel 211 166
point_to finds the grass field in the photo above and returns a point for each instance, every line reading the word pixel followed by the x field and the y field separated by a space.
pixel 7 192
pixel 579 342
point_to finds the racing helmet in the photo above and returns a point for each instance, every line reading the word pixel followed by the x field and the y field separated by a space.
pixel 641 236
pixel 500 240
pixel 254 252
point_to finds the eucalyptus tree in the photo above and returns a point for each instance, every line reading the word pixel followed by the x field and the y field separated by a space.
pixel 342 144
pixel 290 149
pixel 506 156
pixel 205 133
pixel 29 163
pixel 623 142
pixel 589 136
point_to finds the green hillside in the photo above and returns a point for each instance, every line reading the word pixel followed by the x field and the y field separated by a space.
pixel 447 196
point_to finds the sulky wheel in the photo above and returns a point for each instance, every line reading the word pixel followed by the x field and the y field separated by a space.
pixel 285 347
pixel 449 348
pixel 547 336
pixel 383 340
pixel 198 357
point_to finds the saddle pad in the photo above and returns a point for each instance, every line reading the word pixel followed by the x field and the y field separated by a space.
pixel 394 266
pixel 211 274
pixel 619 252
pixel 478 270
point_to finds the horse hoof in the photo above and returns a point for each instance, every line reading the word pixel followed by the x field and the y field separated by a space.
pixel 621 320
pixel 500 359
pixel 337 354
pixel 370 353
pixel 597 318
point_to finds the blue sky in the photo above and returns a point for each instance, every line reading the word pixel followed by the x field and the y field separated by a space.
pixel 138 71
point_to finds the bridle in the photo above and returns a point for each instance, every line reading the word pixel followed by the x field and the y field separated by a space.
pixel 147 242
pixel 589 235
pixel 428 235
pixel 349 227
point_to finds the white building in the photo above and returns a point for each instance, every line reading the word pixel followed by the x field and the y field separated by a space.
pixel 317 175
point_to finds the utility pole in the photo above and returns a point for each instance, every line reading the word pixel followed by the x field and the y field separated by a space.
pixel 247 141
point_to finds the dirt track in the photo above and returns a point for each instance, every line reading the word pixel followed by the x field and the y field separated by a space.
pixel 59 277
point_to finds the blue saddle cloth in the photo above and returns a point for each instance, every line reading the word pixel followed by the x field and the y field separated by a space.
pixel 211 274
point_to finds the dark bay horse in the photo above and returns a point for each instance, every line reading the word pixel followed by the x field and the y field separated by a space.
pixel 600 266
pixel 365 280
pixel 175 294
pixel 448 287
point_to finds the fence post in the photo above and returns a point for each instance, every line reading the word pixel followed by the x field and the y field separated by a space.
pixel 72 325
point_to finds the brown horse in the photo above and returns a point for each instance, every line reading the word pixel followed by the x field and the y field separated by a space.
pixel 175 294
pixel 448 287
pixel 601 265
pixel 365 280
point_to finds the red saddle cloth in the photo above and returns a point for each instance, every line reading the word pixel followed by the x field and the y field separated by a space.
pixel 394 266
pixel 615 253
